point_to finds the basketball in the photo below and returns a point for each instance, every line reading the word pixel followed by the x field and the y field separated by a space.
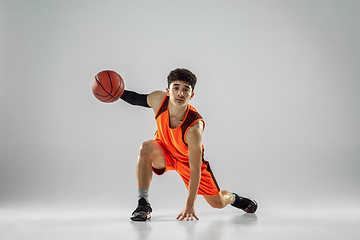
pixel 107 86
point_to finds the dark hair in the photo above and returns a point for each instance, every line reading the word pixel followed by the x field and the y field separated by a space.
pixel 182 74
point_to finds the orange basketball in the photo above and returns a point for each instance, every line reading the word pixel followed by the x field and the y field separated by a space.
pixel 108 86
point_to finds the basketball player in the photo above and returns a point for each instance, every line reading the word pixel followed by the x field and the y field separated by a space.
pixel 178 146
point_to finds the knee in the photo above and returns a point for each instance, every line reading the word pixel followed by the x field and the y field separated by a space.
pixel 221 200
pixel 146 149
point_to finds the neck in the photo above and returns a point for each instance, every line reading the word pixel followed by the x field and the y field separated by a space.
pixel 177 112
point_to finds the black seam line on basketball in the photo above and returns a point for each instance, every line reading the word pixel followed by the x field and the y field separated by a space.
pixel 107 97
pixel 97 80
pixel 105 100
pixel 110 81
pixel 97 94
pixel 117 89
pixel 119 95
pixel 111 99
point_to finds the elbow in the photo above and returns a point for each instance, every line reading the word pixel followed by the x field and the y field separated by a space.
pixel 195 172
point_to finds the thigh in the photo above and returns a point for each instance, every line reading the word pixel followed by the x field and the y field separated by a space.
pixel 165 162
pixel 157 155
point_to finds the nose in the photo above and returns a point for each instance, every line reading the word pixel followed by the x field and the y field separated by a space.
pixel 180 93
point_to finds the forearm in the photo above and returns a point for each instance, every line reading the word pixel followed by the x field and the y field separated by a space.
pixel 194 182
pixel 193 138
pixel 135 98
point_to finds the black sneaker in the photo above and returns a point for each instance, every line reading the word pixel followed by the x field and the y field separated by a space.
pixel 142 212
pixel 246 204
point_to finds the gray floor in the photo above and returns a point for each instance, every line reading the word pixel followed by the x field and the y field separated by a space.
pixel 17 224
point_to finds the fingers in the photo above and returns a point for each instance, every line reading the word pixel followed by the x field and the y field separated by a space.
pixel 182 216
pixel 188 216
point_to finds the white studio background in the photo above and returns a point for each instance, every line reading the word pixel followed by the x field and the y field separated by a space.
pixel 278 87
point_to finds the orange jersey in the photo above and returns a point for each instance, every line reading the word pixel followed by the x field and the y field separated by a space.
pixel 175 139
pixel 175 148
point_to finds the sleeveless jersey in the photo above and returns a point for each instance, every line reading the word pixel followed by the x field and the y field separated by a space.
pixel 174 139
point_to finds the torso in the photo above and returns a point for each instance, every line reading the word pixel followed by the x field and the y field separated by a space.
pixel 174 122
pixel 172 131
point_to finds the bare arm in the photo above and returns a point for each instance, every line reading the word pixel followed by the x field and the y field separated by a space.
pixel 194 140
pixel 154 99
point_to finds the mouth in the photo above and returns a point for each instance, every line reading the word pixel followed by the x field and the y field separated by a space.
pixel 180 100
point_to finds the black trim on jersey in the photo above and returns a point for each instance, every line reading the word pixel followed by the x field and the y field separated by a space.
pixel 190 118
pixel 208 168
pixel 164 106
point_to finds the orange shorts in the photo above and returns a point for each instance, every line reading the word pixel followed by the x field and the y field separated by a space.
pixel 208 185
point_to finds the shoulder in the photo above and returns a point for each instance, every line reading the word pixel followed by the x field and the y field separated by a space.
pixel 194 135
pixel 195 130
pixel 198 126
pixel 155 98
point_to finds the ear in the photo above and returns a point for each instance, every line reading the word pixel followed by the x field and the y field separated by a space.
pixel 167 92
pixel 192 95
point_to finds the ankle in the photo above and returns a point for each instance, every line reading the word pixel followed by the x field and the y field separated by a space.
pixel 143 193
pixel 234 198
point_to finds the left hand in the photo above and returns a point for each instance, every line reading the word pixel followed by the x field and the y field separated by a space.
pixel 188 213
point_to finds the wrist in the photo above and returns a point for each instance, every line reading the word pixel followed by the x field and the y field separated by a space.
pixel 190 202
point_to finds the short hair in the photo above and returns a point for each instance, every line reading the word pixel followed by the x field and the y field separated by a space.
pixel 182 74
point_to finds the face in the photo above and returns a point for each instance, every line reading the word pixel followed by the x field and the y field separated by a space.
pixel 180 93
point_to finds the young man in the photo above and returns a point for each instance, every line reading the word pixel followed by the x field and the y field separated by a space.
pixel 178 146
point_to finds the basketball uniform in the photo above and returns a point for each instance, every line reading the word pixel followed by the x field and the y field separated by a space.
pixel 175 148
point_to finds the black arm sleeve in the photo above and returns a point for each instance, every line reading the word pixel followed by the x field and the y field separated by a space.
pixel 135 98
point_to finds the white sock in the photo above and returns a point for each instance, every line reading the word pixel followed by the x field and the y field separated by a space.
pixel 233 199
